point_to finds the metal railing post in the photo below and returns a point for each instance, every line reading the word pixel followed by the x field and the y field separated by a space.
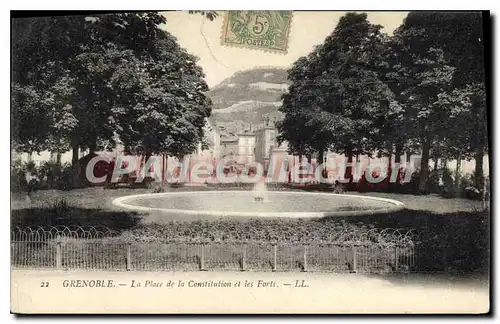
pixel 244 259
pixel 305 259
pixel 396 258
pixel 129 256
pixel 354 259
pixel 59 253
pixel 275 258
pixel 202 257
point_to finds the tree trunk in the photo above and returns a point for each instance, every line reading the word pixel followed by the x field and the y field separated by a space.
pixel 146 159
pixel 92 147
pixel 357 163
pixel 321 157
pixel 348 169
pixel 164 169
pixel 436 159
pixel 389 159
pixel 387 180
pixel 397 163
pixel 301 153
pixel 478 171
pixel 424 166
pixel 457 173
pixel 75 157
pixel 76 168
pixel 58 158
pixel 399 151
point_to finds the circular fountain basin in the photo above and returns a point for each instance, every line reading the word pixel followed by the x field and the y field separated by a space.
pixel 242 203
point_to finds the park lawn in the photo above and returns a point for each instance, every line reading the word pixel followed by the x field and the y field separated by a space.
pixel 430 203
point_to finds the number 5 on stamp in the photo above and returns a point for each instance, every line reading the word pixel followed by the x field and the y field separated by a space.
pixel 261 30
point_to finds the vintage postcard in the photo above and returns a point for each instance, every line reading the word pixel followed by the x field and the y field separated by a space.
pixel 235 162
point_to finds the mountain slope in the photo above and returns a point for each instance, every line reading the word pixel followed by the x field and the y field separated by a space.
pixel 248 98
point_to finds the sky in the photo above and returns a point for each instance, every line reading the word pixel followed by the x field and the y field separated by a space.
pixel 202 37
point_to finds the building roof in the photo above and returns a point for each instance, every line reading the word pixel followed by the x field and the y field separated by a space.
pixel 249 133
pixel 229 138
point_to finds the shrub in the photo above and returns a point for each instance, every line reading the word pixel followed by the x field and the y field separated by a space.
pixel 412 185
pixel 60 208
pixel 467 189
pixel 158 187
pixel 448 189
pixel 487 194
pixel 65 181
pixel 466 184
pixel 52 171
pixel 464 181
pixel 433 182
pixel 57 176
pixel 18 171
pixel 176 185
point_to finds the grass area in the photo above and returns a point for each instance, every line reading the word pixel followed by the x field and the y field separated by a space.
pixel 453 234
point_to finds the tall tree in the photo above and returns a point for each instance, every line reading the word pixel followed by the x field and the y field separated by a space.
pixel 296 128
pixel 41 50
pixel 168 111
pixel 86 79
pixel 460 37
pixel 342 91
pixel 426 78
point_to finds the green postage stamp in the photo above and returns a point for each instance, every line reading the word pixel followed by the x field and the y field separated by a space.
pixel 262 30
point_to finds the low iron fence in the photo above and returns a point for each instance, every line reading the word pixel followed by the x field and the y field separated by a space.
pixel 101 249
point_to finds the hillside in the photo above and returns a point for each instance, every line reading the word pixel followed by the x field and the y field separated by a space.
pixel 248 98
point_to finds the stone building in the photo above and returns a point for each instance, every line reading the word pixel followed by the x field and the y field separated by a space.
pixel 246 148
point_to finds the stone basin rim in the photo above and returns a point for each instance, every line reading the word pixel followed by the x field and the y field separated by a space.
pixel 121 202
